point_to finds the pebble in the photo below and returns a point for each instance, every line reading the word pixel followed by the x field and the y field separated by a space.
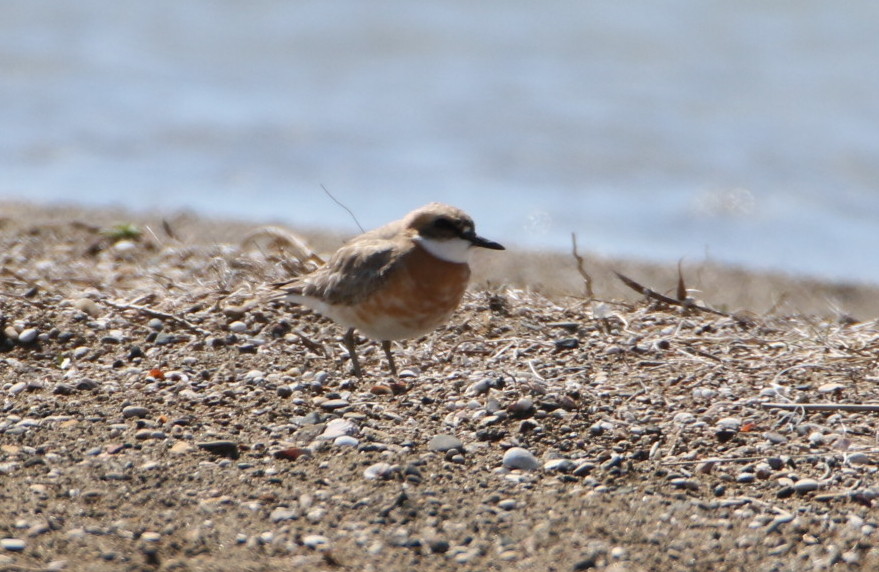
pixel 522 408
pixel 338 428
pixel 859 459
pixel 238 327
pixel 87 306
pixel 806 485
pixel 444 442
pixel 28 336
pixel 346 441
pixel 519 458
pixel 284 391
pixel 156 324
pixel 150 536
pixel 559 465
pixel 86 384
pixel 12 544
pixel 380 471
pixel 508 504
pixel 331 404
pixel 17 388
pixel 168 339
pixel 584 468
pixel 135 411
pixel 682 483
pixel 763 470
pixel 775 462
pixel 62 389
pixel 315 541
pixel 775 438
pixel 283 513
pixel 222 448
pixel 831 387
pixel 684 418
pixel 479 388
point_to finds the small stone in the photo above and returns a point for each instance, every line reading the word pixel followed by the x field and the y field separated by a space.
pixel 150 536
pixel 337 428
pixel 315 515
pixel 479 387
pixel 17 388
pixel 519 458
pixel 62 389
pixel 775 462
pixel 508 504
pixel 686 484
pixel 238 327
pixel 522 408
pixel 331 404
pixel 168 339
pixel 831 387
pixel 284 391
pixel 283 513
pixel 315 541
pixel 86 384
pixel 28 336
pixel 439 546
pixel 87 306
pixel 444 442
pixel 806 485
pixel 775 438
pixel 221 448
pixel 816 439
pixel 729 423
pixel 559 466
pixel 380 471
pixel 584 469
pixel 763 470
pixel 135 411
pixel 859 459
pixel 684 418
pixel 292 453
pixel 156 324
pixel 13 544
pixel 346 441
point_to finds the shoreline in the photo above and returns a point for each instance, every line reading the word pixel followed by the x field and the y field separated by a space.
pixel 554 274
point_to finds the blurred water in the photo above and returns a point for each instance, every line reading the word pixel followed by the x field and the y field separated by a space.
pixel 743 132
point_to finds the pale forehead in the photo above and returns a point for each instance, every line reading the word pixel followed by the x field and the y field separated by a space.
pixel 429 213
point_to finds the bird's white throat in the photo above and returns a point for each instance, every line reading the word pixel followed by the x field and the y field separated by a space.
pixel 455 250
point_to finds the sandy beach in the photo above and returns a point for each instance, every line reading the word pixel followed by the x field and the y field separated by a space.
pixel 158 413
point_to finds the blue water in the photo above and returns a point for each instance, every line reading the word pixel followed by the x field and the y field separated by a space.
pixel 741 132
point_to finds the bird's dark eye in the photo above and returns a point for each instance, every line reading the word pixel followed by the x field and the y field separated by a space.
pixel 444 224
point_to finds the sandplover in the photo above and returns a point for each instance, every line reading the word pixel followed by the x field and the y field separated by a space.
pixel 396 282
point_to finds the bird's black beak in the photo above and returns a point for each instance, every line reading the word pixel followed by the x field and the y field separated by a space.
pixel 476 240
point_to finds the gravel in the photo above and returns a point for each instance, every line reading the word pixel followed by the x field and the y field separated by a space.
pixel 650 443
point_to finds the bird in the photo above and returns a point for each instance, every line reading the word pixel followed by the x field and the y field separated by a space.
pixel 396 282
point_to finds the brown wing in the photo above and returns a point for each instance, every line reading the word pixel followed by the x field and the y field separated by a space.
pixel 354 272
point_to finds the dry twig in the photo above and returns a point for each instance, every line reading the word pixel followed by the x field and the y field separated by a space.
pixel 856 407
pixel 158 314
pixel 587 279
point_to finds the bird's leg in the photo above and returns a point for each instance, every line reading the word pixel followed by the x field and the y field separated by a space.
pixel 350 343
pixel 386 345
